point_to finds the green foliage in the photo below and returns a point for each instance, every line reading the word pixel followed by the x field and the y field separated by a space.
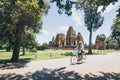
pixel 65 6
pixel 102 37
pixel 93 19
pixel 40 48
pixel 111 43
pixel 43 47
pixel 29 40
pixel 44 5
pixel 16 18
pixel 116 28
pixel 104 3
pixel 34 50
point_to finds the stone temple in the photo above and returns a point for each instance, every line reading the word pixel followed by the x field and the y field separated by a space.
pixel 69 40
pixel 100 44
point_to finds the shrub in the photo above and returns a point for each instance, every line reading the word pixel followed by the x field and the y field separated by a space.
pixel 34 50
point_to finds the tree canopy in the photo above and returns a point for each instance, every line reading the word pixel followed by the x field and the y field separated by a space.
pixel 102 37
pixel 18 16
pixel 116 28
pixel 111 43
pixel 65 6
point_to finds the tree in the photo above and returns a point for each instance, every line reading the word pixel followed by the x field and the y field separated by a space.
pixel 116 28
pixel 28 41
pixel 1 44
pixel 93 20
pixel 65 6
pixel 102 37
pixel 16 16
pixel 6 37
pixel 92 17
pixel 111 43
pixel 45 45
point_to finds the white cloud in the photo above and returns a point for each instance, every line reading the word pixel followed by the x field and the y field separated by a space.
pixel 77 17
pixel 44 32
pixel 111 7
pixel 108 8
pixel 64 28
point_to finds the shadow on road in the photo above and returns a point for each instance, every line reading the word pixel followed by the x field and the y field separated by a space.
pixel 60 74
pixel 8 65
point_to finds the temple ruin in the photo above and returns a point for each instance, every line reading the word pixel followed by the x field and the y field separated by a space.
pixel 100 43
pixel 69 40
pixel 60 40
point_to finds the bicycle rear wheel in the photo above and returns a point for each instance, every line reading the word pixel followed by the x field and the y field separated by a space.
pixel 73 59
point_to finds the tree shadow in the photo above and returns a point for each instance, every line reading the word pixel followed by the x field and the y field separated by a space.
pixel 60 74
pixel 6 64
pixel 56 74
pixel 104 76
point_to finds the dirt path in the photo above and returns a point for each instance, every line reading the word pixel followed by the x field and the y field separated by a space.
pixel 96 66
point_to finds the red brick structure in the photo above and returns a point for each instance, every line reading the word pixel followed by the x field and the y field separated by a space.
pixel 70 40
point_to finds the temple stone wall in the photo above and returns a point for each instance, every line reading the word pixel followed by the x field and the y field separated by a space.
pixel 79 38
pixel 70 40
pixel 100 44
pixel 60 40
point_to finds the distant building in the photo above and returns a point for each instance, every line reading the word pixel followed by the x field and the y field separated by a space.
pixel 100 43
pixel 70 40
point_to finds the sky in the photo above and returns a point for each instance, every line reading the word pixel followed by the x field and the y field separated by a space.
pixel 54 23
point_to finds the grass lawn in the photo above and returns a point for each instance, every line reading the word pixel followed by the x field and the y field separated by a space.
pixel 39 55
pixel 47 54
pixel 44 55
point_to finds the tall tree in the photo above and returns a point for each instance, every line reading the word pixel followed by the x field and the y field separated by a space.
pixel 116 28
pixel 16 16
pixel 93 18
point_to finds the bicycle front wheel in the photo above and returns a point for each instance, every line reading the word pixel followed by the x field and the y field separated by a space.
pixel 73 59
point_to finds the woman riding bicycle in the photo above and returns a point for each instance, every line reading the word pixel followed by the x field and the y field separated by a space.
pixel 80 49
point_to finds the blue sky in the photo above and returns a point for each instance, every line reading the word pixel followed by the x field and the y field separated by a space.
pixel 54 23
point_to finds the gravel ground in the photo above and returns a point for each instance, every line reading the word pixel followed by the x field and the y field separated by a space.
pixel 97 67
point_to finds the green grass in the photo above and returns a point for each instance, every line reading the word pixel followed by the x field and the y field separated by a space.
pixel 102 52
pixel 39 55
pixel 45 55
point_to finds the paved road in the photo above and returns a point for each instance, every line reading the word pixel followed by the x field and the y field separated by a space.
pixel 102 67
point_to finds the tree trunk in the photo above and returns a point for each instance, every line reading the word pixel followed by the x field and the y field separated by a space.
pixel 90 43
pixel 9 44
pixel 17 45
pixel 23 51
pixel 16 50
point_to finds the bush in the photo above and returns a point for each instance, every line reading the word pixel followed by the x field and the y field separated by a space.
pixel 42 47
pixel 34 50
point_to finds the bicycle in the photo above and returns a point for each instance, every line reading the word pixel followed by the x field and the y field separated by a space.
pixel 75 59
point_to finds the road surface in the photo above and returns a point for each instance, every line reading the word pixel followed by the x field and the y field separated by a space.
pixel 102 67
